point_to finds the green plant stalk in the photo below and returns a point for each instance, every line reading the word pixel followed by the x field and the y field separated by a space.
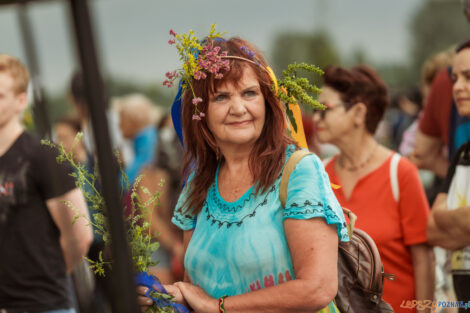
pixel 139 234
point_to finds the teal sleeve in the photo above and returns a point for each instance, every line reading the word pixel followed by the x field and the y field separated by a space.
pixel 309 195
pixel 182 218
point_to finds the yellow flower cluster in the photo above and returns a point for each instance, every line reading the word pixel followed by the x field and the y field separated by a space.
pixel 189 47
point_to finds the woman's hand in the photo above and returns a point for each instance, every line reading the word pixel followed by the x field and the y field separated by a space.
pixel 145 301
pixel 198 300
pixel 174 291
pixel 142 299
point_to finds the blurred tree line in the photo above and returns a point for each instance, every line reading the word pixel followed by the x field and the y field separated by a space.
pixel 435 26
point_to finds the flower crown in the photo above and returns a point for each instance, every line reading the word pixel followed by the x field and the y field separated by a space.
pixel 201 58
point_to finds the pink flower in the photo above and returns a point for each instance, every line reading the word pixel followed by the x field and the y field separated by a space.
pixel 196 117
pixel 171 42
pixel 202 114
pixel 199 75
pixel 172 33
pixel 197 100
pixel 171 75
pixel 203 64
pixel 168 83
pixel 219 76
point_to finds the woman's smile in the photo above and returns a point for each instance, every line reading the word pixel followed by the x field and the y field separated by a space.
pixel 240 123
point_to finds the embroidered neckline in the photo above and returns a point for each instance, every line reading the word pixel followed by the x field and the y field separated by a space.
pixel 226 206
pixel 221 222
pixel 237 206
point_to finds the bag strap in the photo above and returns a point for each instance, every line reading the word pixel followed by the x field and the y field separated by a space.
pixel 288 168
pixel 327 161
pixel 394 176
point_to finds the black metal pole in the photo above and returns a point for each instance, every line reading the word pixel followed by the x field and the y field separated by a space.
pixel 123 288
pixel 40 114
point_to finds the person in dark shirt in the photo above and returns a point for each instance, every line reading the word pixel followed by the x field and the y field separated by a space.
pixel 449 222
pixel 39 244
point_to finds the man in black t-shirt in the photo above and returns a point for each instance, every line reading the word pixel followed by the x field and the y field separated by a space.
pixel 449 222
pixel 39 244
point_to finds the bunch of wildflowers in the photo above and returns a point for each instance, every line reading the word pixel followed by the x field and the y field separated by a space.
pixel 199 59
pixel 139 236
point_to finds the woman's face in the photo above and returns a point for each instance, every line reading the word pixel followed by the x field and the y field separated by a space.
pixel 236 115
pixel 461 79
pixel 335 122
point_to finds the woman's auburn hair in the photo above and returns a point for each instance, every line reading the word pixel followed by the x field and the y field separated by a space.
pixel 201 152
pixel 360 84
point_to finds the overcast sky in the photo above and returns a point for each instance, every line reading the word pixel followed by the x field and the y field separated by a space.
pixel 132 35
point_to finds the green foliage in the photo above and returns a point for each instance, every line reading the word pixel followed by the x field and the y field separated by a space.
pixel 139 236
pixel 295 89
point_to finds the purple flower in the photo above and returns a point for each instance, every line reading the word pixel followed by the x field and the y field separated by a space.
pixel 197 100
pixel 250 53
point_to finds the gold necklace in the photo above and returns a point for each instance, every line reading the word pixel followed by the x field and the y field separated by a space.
pixel 361 165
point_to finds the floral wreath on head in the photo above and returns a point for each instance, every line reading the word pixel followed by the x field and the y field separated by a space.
pixel 202 57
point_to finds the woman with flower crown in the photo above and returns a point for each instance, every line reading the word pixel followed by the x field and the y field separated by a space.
pixel 245 252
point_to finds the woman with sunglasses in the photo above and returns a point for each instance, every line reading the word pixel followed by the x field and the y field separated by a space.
pixel 381 188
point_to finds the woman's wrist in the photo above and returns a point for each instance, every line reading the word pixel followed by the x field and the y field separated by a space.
pixel 221 304
pixel 213 305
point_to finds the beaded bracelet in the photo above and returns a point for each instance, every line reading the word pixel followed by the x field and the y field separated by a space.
pixel 221 304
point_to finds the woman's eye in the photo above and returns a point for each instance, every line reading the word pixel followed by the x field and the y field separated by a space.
pixel 220 97
pixel 250 93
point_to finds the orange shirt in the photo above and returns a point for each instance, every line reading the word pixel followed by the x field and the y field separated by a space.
pixel 393 225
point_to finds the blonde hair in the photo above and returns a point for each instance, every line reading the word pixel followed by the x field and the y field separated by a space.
pixel 436 63
pixel 17 71
pixel 137 108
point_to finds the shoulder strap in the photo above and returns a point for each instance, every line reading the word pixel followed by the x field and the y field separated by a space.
pixel 327 161
pixel 394 176
pixel 288 168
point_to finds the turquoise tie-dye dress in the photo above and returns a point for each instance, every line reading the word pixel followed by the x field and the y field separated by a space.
pixel 240 246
